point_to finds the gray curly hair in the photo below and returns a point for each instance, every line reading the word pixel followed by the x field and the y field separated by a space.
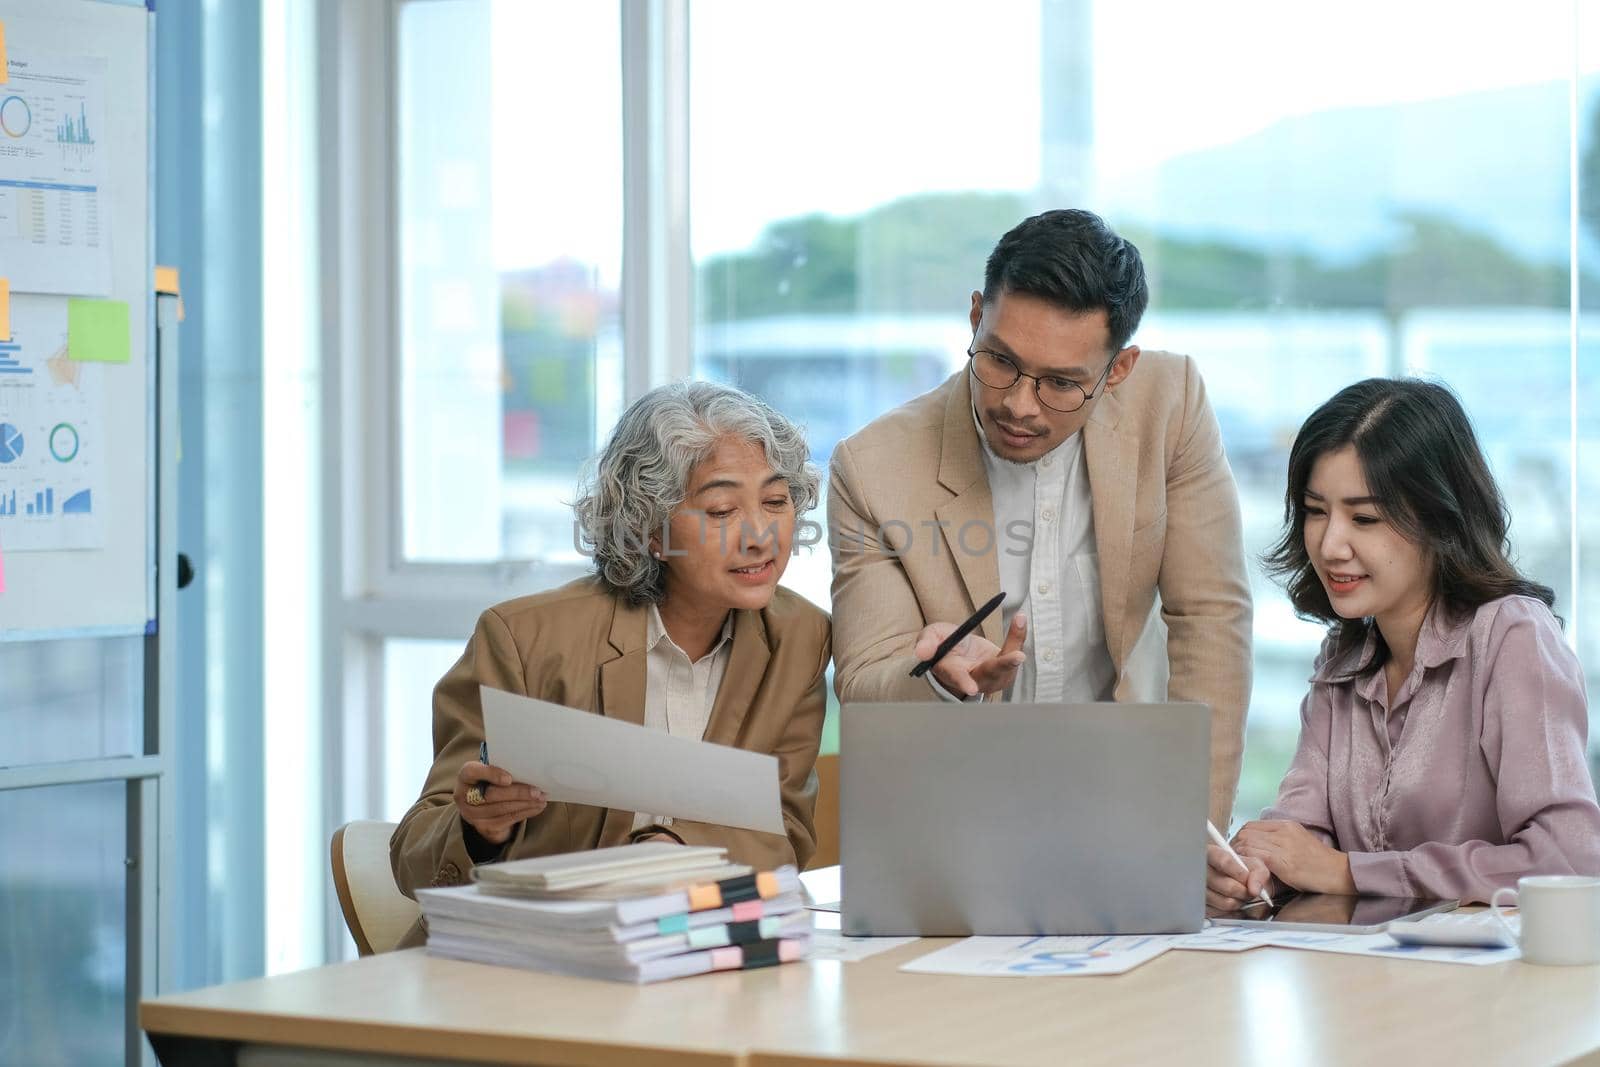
pixel 641 476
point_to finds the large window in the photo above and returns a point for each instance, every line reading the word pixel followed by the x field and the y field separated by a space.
pixel 1321 194
pixel 1304 226
pixel 510 238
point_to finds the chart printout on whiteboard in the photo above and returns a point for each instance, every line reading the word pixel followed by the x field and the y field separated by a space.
pixel 55 226
pixel 52 434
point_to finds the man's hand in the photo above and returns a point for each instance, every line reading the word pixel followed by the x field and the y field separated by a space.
pixel 1295 856
pixel 975 665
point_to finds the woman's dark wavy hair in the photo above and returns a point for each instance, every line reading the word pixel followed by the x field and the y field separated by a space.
pixel 1423 465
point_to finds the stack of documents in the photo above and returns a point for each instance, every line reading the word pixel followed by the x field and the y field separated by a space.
pixel 637 913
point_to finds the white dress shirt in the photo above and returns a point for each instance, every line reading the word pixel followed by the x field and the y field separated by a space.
pixel 678 694
pixel 1050 571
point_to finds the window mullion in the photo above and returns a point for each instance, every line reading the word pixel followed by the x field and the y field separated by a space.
pixel 657 264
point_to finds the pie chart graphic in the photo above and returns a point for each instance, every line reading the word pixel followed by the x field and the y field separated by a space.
pixel 10 443
pixel 63 442
pixel 15 116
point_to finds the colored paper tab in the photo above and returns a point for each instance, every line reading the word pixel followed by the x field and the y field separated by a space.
pixel 3 72
pixel 97 331
pixel 167 282
pixel 5 310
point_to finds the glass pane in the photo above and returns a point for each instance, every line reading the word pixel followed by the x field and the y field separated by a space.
pixel 510 176
pixel 1583 615
pixel 63 938
pixel 410 671
pixel 71 699
pixel 1297 239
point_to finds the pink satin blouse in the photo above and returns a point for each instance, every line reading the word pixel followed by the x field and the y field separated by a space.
pixel 1473 776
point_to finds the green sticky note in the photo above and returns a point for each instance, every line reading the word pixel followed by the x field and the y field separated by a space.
pixel 97 331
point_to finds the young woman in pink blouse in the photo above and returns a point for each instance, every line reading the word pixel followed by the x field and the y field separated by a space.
pixel 1442 744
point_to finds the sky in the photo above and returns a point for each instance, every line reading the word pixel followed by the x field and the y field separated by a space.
pixel 838 106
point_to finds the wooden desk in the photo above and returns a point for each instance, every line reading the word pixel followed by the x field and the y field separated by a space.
pixel 1272 1007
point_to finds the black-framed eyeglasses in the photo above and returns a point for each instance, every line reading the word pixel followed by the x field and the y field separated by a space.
pixel 1054 392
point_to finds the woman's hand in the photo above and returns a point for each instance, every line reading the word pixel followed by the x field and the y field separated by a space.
pixel 975 665
pixel 1295 856
pixel 1227 887
pixel 504 802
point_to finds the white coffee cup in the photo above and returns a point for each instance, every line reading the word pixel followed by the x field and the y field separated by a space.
pixel 1560 918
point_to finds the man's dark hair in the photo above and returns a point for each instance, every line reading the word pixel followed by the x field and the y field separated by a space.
pixel 1073 260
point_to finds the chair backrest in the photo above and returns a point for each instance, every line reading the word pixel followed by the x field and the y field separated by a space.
pixel 827 815
pixel 375 910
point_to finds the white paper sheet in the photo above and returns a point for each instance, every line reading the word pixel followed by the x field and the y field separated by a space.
pixel 582 758
pixel 1222 939
pixel 822 889
pixel 828 942
pixel 832 945
pixel 52 433
pixel 1383 945
pixel 1033 957
pixel 54 237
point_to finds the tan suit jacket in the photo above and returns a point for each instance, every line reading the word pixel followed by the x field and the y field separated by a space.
pixel 909 504
pixel 582 647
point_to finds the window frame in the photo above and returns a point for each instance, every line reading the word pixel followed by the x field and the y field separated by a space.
pixel 371 593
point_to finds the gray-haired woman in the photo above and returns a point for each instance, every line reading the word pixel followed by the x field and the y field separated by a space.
pixel 690 514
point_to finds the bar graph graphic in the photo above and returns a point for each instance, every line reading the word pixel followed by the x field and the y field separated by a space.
pixel 74 131
pixel 44 504
pixel 52 458
pixel 9 363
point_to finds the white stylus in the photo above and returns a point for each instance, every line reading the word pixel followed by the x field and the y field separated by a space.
pixel 1222 842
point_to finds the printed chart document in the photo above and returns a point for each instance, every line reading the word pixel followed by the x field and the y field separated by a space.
pixel 52 419
pixel 1241 939
pixel 1041 957
pixel 832 945
pixel 828 942
pixel 581 758
pixel 54 235
pixel 1384 946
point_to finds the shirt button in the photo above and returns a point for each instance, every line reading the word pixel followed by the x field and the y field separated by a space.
pixel 1044 587
pixel 1047 461
pixel 1049 655
pixel 1049 513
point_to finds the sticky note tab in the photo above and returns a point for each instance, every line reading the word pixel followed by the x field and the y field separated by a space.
pixel 5 309
pixel 3 74
pixel 97 331
pixel 167 282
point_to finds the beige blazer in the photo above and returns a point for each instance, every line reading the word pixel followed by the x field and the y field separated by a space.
pixel 909 504
pixel 582 647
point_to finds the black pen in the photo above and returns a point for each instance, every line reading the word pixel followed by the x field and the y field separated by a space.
pixel 483 753
pixel 956 636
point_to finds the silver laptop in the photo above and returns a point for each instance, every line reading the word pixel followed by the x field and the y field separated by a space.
pixel 1015 819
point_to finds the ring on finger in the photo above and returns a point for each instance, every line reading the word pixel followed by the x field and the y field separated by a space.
pixel 474 795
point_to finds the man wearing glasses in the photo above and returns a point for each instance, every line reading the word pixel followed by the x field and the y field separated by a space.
pixel 1048 470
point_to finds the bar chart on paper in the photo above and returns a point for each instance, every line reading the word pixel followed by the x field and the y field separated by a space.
pixel 53 237
pixel 50 454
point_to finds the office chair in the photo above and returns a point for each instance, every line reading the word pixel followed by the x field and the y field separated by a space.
pixel 826 819
pixel 376 912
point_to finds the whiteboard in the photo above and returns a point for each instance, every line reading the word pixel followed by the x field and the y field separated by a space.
pixel 107 589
